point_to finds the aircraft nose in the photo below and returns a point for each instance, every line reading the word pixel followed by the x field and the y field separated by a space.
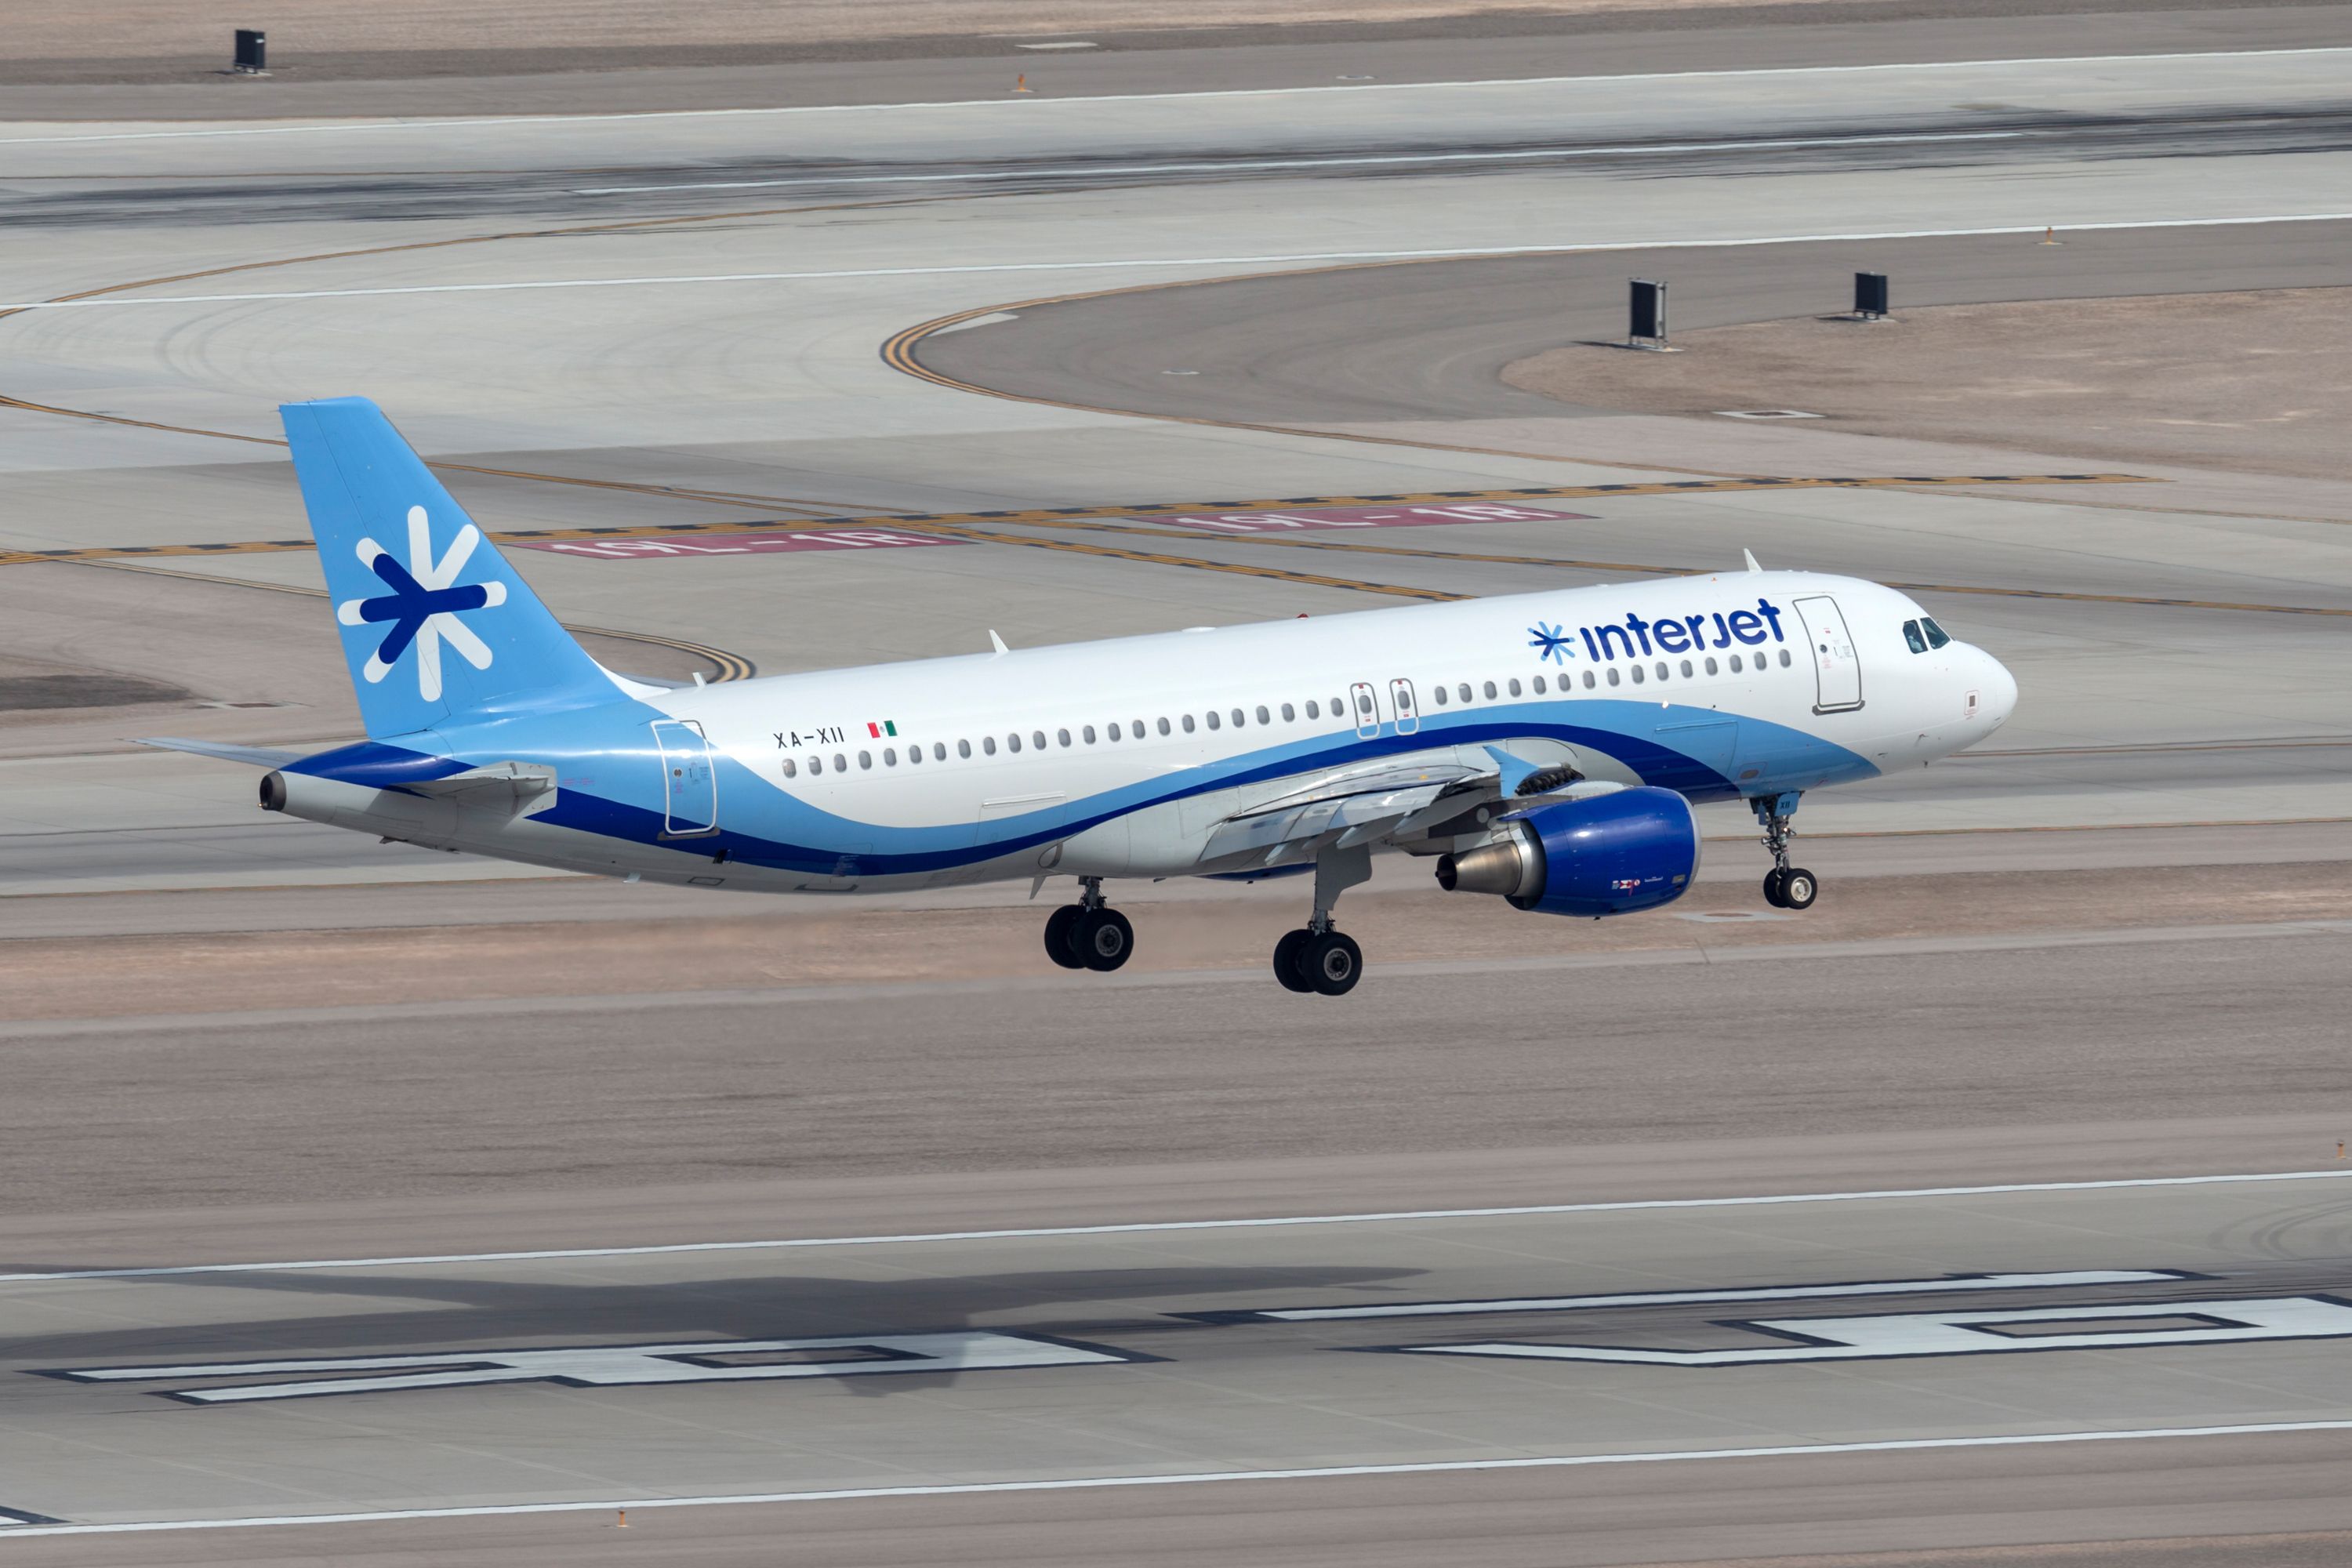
pixel 1996 692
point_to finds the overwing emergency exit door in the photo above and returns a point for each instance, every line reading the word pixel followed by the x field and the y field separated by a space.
pixel 690 783
pixel 1837 668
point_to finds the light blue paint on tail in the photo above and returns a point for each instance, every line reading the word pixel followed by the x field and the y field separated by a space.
pixel 435 623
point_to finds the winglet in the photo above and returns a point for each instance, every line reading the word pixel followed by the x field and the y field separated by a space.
pixel 1510 768
pixel 997 641
pixel 1750 556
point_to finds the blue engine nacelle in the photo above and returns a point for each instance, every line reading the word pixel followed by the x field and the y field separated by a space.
pixel 1605 854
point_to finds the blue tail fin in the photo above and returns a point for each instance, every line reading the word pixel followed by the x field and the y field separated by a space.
pixel 435 623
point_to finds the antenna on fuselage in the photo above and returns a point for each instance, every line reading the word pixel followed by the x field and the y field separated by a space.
pixel 1749 556
pixel 996 641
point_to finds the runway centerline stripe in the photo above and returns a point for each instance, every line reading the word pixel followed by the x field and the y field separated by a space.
pixel 1375 160
pixel 1130 263
pixel 1304 1473
pixel 1031 105
pixel 1144 1227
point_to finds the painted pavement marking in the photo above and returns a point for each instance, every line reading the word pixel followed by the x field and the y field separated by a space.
pixel 1143 1227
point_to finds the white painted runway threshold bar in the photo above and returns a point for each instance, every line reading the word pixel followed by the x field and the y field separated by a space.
pixel 1093 1483
pixel 1144 1227
pixel 1442 253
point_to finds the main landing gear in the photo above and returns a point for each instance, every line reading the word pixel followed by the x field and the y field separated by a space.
pixel 1317 957
pixel 1786 887
pixel 1088 934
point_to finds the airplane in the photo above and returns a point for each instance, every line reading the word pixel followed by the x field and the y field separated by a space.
pixel 1543 748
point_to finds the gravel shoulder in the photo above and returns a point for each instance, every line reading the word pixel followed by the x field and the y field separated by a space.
pixel 2255 382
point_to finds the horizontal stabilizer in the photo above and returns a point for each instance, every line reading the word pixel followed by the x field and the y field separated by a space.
pixel 253 756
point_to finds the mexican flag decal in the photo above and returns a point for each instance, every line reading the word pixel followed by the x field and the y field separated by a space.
pixel 877 730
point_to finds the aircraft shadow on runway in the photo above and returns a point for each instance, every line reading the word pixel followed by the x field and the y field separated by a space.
pixel 463 1315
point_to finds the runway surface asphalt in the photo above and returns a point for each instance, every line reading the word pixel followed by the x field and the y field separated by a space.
pixel 856 1233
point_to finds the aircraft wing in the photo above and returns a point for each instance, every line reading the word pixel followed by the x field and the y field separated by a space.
pixel 1352 806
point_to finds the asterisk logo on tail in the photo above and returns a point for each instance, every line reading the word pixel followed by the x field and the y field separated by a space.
pixel 424 606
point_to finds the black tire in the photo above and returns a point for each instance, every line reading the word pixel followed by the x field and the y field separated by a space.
pixel 1062 937
pixel 1799 889
pixel 1105 939
pixel 1334 963
pixel 1772 881
pixel 1286 965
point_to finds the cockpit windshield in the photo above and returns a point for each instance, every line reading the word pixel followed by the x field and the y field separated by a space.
pixel 1937 635
pixel 1914 637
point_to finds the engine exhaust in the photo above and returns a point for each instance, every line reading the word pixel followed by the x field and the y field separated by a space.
pixel 1509 866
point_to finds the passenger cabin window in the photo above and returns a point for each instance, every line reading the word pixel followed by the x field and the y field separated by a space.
pixel 1440 690
pixel 939 750
pixel 1784 658
pixel 914 754
pixel 1263 717
pixel 1463 691
pixel 1937 635
pixel 840 762
pixel 1090 733
pixel 1711 666
pixel 1013 740
pixel 1114 730
pixel 1735 664
pixel 1064 736
pixel 1612 675
pixel 1164 726
pixel 1588 680
pixel 1289 714
pixel 1237 718
pixel 1212 718
pixel 1188 724
pixel 1686 669
pixel 963 748
pixel 1914 637
pixel 988 744
pixel 1037 738
pixel 864 759
pixel 1515 687
pixel 1638 676
pixel 1540 688
pixel 791 767
pixel 889 756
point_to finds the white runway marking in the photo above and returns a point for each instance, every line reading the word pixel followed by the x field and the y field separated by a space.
pixel 1442 253
pixel 1377 160
pixel 1089 1483
pixel 1033 104
pixel 1762 1293
pixel 1149 1226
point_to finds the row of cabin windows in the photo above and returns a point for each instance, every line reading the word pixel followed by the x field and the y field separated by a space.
pixel 1690 669
pixel 1239 717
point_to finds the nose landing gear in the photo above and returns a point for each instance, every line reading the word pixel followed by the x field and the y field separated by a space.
pixel 1785 887
pixel 1088 934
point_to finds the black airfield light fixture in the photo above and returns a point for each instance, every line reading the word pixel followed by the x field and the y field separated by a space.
pixel 252 58
pixel 1870 296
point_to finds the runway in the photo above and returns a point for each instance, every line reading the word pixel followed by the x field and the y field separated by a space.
pixel 854 1231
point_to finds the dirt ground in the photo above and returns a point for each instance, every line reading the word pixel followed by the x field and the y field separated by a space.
pixel 2258 382
pixel 66 36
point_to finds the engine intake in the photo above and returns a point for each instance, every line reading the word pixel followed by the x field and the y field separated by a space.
pixel 1609 854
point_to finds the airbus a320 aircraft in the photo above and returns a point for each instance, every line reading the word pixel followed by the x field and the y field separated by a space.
pixel 1541 748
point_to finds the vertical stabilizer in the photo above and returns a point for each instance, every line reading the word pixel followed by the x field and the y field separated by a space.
pixel 435 623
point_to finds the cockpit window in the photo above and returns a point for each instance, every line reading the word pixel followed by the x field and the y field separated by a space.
pixel 1912 635
pixel 1937 635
